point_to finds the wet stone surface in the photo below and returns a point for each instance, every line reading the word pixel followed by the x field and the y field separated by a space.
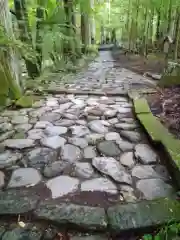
pixel 82 149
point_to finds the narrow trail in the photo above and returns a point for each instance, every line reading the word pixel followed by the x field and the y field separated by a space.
pixel 71 157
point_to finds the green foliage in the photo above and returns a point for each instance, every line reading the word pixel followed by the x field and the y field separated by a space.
pixel 24 102
pixel 168 232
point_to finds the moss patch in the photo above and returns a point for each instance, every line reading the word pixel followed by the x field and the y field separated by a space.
pixel 157 131
pixel 141 106
pixel 143 214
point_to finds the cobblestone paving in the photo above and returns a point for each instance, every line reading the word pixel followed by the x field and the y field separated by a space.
pixel 78 149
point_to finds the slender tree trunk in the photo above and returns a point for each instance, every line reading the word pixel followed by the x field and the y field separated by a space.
pixel 158 25
pixel 25 35
pixel 9 68
pixel 177 33
pixel 85 27
pixel 169 17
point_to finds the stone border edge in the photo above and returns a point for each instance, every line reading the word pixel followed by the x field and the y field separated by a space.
pixel 159 134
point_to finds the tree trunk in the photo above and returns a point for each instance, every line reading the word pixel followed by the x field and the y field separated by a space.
pixel 85 35
pixel 9 68
pixel 158 25
pixel 169 17
pixel 25 35
pixel 177 33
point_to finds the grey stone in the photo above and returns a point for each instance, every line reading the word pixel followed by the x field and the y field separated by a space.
pixel 8 158
pixel 143 172
pixel 97 126
pixel 54 142
pixel 126 126
pixel 36 134
pixel 124 110
pixel 50 117
pixel 128 120
pixel 110 167
pixel 112 136
pixel 55 130
pixel 71 153
pixel 113 121
pixel 79 131
pixel 141 215
pixel 19 143
pixel 5 127
pixel 127 159
pixel 52 103
pixel 70 116
pixel 83 170
pixel 125 145
pixel 43 124
pixel 2 179
pixel 86 217
pixel 25 127
pixel 99 184
pixel 128 193
pixel 19 233
pixel 91 237
pixel 63 100
pixel 94 138
pixel 81 122
pixel 131 136
pixel 6 135
pixel 108 148
pixel 89 152
pixel 64 122
pixel 154 188
pixel 96 111
pixel 79 142
pixel 39 157
pixel 19 119
pixel 92 118
pixel 54 169
pixel 110 113
pixel 145 154
pixel 62 185
pixel 64 107
pixel 24 177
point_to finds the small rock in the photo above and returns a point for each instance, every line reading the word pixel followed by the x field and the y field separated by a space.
pixel 70 116
pixel 71 153
pixel 62 185
pixel 50 117
pixel 36 134
pixel 19 119
pixel 43 124
pixel 97 126
pixel 64 122
pixel 79 142
pixel 55 130
pixel 24 177
pixel 108 148
pixel 94 138
pixel 113 121
pixel 94 111
pixel 143 172
pixel 99 184
pixel 154 188
pixel 2 179
pixel 8 158
pixel 110 167
pixel 39 157
pixel 127 159
pixel 112 136
pixel 126 126
pixel 110 113
pixel 79 131
pixel 5 127
pixel 6 135
pixel 25 127
pixel 92 118
pixel 83 170
pixel 131 136
pixel 54 142
pixel 19 143
pixel 89 152
pixel 124 110
pixel 128 193
pixel 145 154
pixel 54 169
pixel 81 122
pixel 64 107
pixel 125 145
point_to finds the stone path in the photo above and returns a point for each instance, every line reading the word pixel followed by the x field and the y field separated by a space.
pixel 79 152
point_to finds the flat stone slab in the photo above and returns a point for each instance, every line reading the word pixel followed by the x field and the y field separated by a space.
pixel 108 148
pixel 22 233
pixel 62 185
pixel 19 143
pixel 8 158
pixel 143 214
pixel 145 154
pixel 84 217
pixel 54 142
pixel 99 184
pixel 24 177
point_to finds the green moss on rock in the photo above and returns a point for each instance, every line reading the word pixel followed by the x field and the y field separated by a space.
pixel 143 214
pixel 25 102
pixel 141 106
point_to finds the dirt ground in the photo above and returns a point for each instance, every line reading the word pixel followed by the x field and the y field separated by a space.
pixel 165 103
